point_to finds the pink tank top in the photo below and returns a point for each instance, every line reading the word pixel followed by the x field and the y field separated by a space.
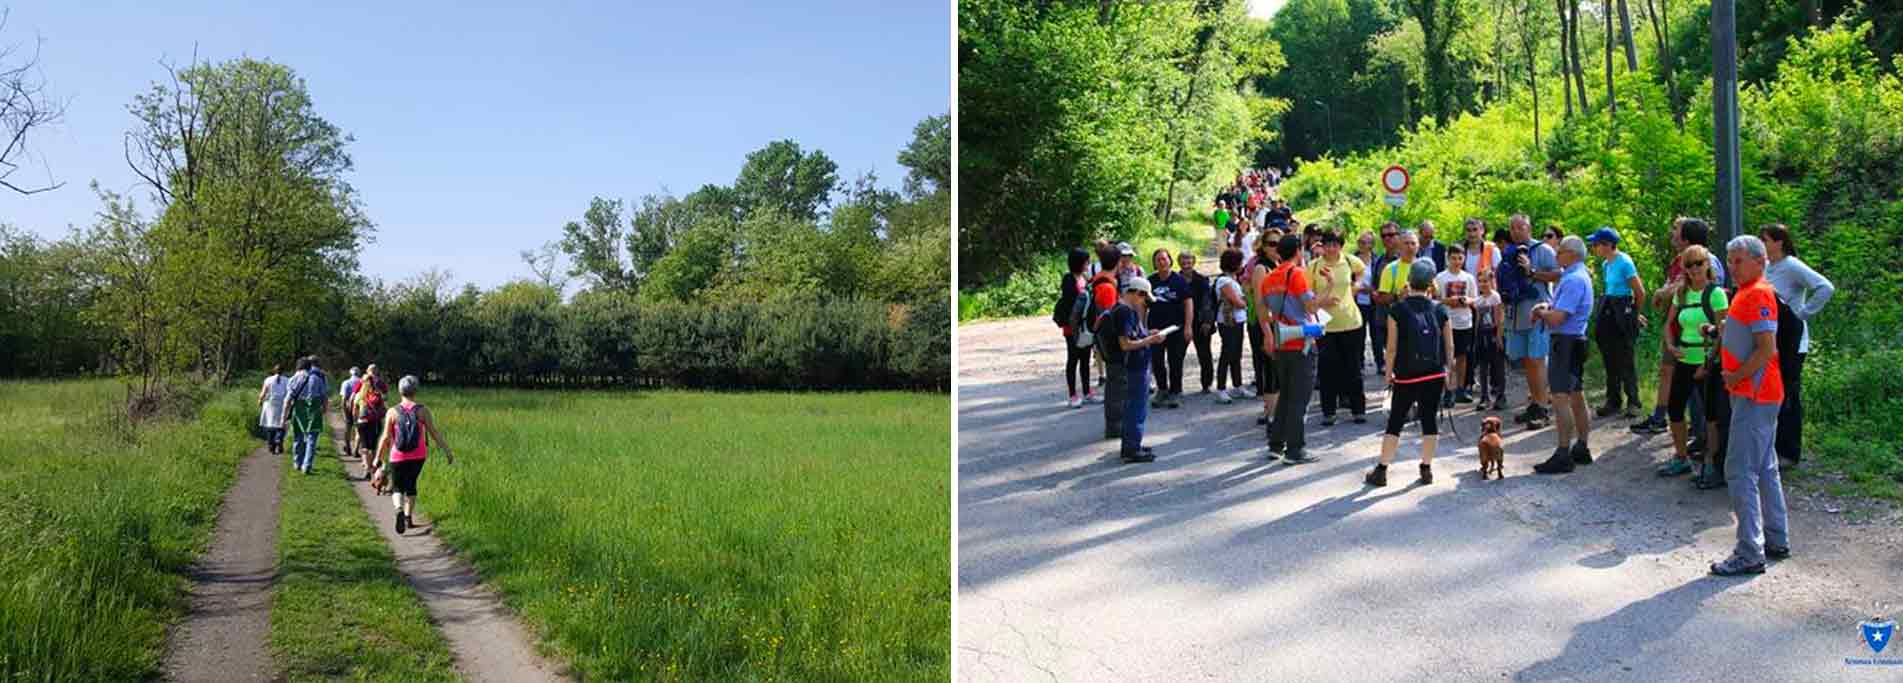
pixel 422 438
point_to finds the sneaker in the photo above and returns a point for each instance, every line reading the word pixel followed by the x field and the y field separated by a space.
pixel 1076 403
pixel 1605 411
pixel 1093 398
pixel 1427 475
pixel 1708 478
pixel 1560 463
pixel 1539 418
pixel 1278 448
pixel 1360 419
pixel 1581 454
pixel 1463 396
pixel 1633 412
pixel 1675 467
pixel 1144 455
pixel 1297 456
pixel 1499 403
pixel 1777 552
pixel 1526 415
pixel 1222 396
pixel 402 522
pixel 1650 425
pixel 1328 420
pixel 1377 477
pixel 1736 566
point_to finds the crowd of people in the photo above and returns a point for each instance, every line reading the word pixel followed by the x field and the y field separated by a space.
pixel 390 444
pixel 1442 322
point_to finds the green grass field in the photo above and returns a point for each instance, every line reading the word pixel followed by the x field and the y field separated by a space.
pixel 676 535
pixel 340 611
pixel 100 522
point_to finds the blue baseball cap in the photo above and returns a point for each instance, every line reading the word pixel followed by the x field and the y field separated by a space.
pixel 1603 234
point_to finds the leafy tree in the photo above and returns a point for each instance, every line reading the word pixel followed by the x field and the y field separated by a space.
pixel 928 157
pixel 783 178
pixel 594 245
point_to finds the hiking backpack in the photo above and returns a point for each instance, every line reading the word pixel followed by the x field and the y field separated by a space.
pixel 409 428
pixel 1418 349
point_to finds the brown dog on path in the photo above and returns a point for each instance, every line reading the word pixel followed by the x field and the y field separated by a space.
pixel 1492 455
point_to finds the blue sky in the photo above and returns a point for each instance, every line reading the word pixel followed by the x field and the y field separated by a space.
pixel 480 130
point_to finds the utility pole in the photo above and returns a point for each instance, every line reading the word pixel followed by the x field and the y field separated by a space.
pixel 1330 111
pixel 1729 202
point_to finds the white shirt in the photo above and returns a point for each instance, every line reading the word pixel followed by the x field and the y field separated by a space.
pixel 1449 283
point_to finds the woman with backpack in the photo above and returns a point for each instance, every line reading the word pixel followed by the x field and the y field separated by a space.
pixel 1231 315
pixel 271 409
pixel 1420 356
pixel 407 434
pixel 1688 343
pixel 370 405
pixel 1072 301
pixel 1203 295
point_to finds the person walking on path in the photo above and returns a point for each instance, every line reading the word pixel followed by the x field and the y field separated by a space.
pixel 1105 289
pixel 1806 292
pixel 1072 286
pixel 1618 324
pixel 1287 300
pixel 371 405
pixel 1528 268
pixel 1231 315
pixel 1566 316
pixel 1457 288
pixel 346 394
pixel 1202 324
pixel 407 434
pixel 306 401
pixel 1420 349
pixel 1687 345
pixel 1170 306
pixel 271 409
pixel 1335 275
pixel 1747 351
pixel 1134 339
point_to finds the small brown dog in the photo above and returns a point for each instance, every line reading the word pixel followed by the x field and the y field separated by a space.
pixel 380 479
pixel 1492 456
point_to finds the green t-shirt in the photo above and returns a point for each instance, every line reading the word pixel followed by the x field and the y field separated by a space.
pixel 1222 218
pixel 1691 316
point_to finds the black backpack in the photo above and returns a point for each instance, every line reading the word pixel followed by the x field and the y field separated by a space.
pixel 409 428
pixel 1418 350
pixel 1205 299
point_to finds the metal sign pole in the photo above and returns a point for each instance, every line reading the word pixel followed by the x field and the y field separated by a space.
pixel 1729 190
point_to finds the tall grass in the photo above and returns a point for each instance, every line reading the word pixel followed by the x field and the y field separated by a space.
pixel 340 611
pixel 100 521
pixel 687 536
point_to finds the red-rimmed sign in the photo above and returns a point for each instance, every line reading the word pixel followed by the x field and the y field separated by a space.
pixel 1395 179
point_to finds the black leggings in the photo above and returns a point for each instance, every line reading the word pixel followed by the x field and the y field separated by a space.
pixel 1229 364
pixel 403 476
pixel 1076 365
pixel 1420 397
pixel 1790 416
pixel 1682 388
pixel 1205 365
pixel 1166 364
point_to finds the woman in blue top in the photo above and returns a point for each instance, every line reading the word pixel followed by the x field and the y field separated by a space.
pixel 1618 324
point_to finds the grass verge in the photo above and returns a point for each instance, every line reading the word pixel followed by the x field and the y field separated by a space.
pixel 101 521
pixel 1032 291
pixel 678 535
pixel 340 610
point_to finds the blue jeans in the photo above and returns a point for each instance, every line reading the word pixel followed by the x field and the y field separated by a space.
pixel 304 449
pixel 1136 408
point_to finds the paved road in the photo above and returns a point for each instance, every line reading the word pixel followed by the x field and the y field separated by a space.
pixel 1214 564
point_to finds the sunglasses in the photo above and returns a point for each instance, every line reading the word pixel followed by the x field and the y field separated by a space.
pixel 1389 234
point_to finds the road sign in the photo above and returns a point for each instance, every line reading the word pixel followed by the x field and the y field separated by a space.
pixel 1395 180
pixel 1396 199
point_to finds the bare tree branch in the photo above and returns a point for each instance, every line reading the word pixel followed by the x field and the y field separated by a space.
pixel 24 107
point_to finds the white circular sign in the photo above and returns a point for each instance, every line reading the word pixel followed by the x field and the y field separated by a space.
pixel 1395 179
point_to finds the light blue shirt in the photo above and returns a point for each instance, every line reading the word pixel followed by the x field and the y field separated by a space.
pixel 1619 271
pixel 1573 294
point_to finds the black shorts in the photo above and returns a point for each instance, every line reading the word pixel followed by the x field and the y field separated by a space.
pixel 403 476
pixel 367 434
pixel 1463 343
pixel 1419 400
pixel 1566 364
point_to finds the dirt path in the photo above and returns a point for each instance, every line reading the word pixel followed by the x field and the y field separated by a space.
pixel 1214 563
pixel 223 637
pixel 487 640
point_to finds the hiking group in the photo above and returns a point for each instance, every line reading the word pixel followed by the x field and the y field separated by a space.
pixel 1443 322
pixel 390 444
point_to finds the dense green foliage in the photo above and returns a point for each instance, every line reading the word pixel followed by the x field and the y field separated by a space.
pixel 340 611
pixel 101 521
pixel 1080 120
pixel 676 535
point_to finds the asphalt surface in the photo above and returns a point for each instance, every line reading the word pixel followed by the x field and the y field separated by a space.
pixel 1214 563
pixel 222 637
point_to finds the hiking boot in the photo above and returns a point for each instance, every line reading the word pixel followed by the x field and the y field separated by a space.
pixel 1581 454
pixel 1777 552
pixel 1526 415
pixel 1463 396
pixel 1539 417
pixel 1560 463
pixel 1427 474
pixel 402 522
pixel 1605 411
pixel 1736 566
pixel 1377 477
pixel 1651 425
